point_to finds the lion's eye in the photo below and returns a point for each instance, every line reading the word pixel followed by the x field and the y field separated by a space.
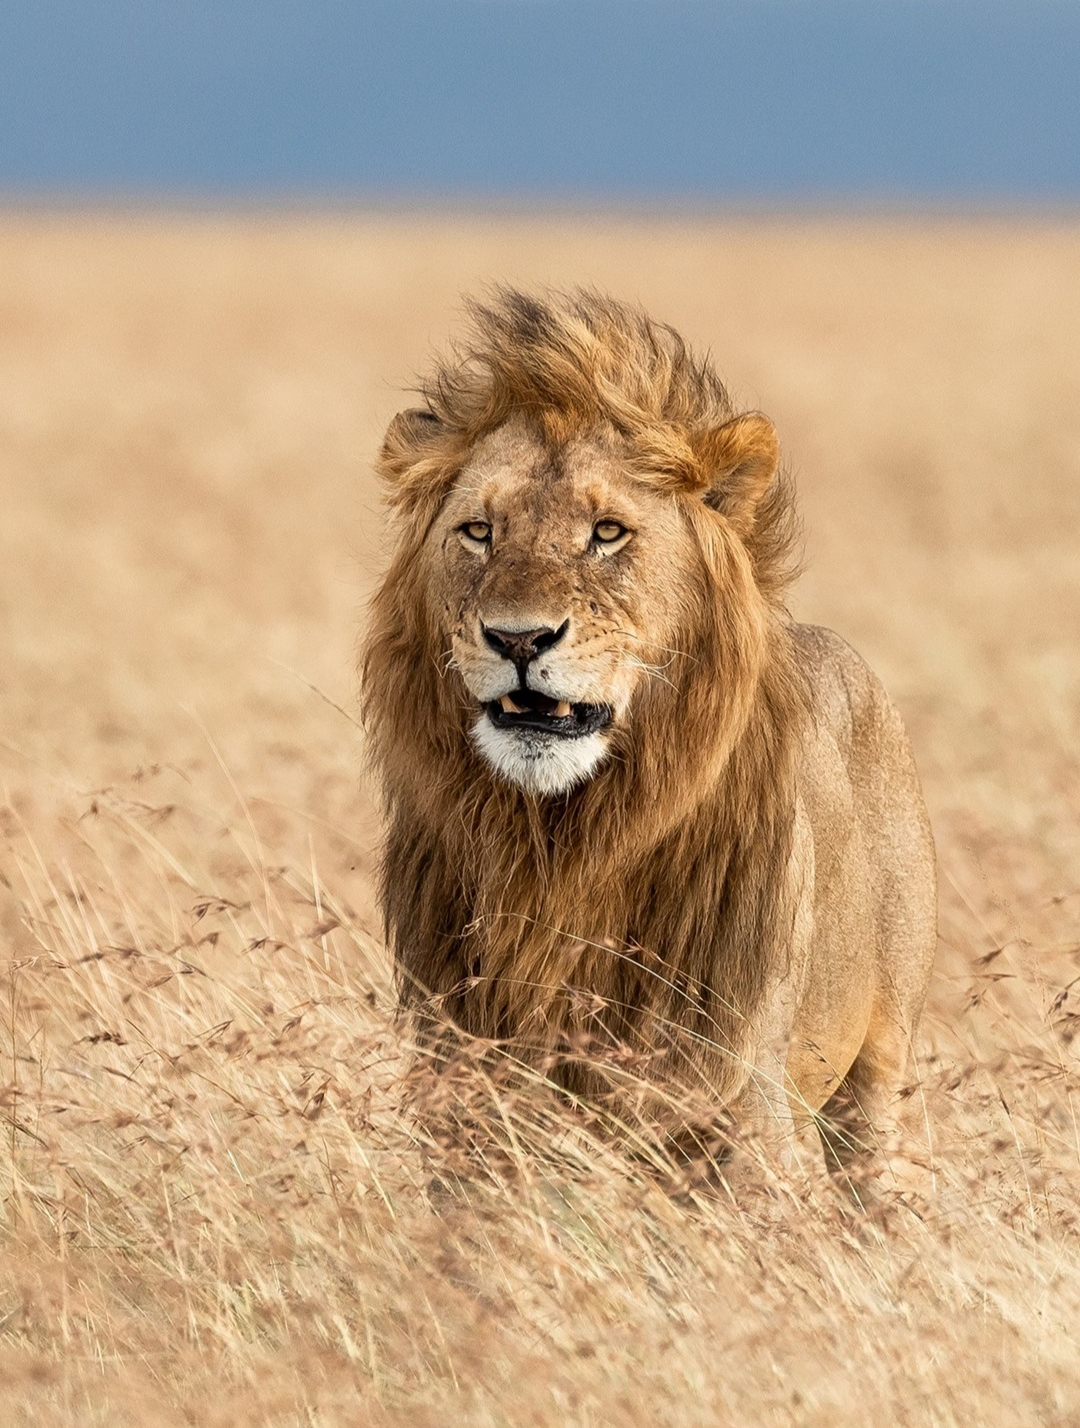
pixel 608 532
pixel 479 531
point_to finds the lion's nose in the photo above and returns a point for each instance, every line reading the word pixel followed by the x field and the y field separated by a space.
pixel 521 646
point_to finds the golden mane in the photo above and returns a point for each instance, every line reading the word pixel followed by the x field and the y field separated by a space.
pixel 644 912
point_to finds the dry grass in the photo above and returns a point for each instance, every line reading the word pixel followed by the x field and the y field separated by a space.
pixel 213 1210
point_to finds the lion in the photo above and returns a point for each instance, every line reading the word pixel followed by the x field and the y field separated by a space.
pixel 643 827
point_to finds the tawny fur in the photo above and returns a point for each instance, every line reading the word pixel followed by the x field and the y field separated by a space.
pixel 751 863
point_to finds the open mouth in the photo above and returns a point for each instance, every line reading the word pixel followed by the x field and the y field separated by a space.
pixel 527 709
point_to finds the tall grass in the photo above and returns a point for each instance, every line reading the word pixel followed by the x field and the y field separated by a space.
pixel 217 1203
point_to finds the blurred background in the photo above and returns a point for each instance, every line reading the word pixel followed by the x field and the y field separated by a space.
pixel 707 101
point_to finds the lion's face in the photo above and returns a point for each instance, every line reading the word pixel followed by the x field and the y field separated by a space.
pixel 560 580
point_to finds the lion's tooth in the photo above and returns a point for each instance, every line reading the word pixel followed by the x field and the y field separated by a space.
pixel 509 707
pixel 562 710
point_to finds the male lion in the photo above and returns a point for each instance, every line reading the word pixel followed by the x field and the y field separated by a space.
pixel 637 815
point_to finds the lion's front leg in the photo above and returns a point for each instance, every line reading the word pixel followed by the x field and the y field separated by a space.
pixel 760 1132
pixel 748 1145
pixel 761 1118
pixel 762 1122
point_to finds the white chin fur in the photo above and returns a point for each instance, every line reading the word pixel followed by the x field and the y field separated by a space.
pixel 539 763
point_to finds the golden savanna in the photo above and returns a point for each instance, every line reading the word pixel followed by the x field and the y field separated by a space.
pixel 639 817
pixel 218 1206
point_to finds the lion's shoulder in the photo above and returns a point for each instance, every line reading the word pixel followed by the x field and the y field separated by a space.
pixel 846 696
pixel 858 763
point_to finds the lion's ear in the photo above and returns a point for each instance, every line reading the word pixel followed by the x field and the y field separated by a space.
pixel 408 439
pixel 739 460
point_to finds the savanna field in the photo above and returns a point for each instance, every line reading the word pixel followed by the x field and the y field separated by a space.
pixel 214 1207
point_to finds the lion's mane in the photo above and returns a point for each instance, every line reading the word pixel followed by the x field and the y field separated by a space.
pixel 645 911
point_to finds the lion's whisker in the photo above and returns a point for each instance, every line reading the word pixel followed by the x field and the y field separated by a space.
pixel 631 661
pixel 664 649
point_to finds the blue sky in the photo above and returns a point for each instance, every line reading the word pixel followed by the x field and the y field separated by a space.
pixel 706 100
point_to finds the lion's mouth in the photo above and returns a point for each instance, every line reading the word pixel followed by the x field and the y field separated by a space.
pixel 528 709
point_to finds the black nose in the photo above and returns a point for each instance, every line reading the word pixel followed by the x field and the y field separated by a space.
pixel 523 645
